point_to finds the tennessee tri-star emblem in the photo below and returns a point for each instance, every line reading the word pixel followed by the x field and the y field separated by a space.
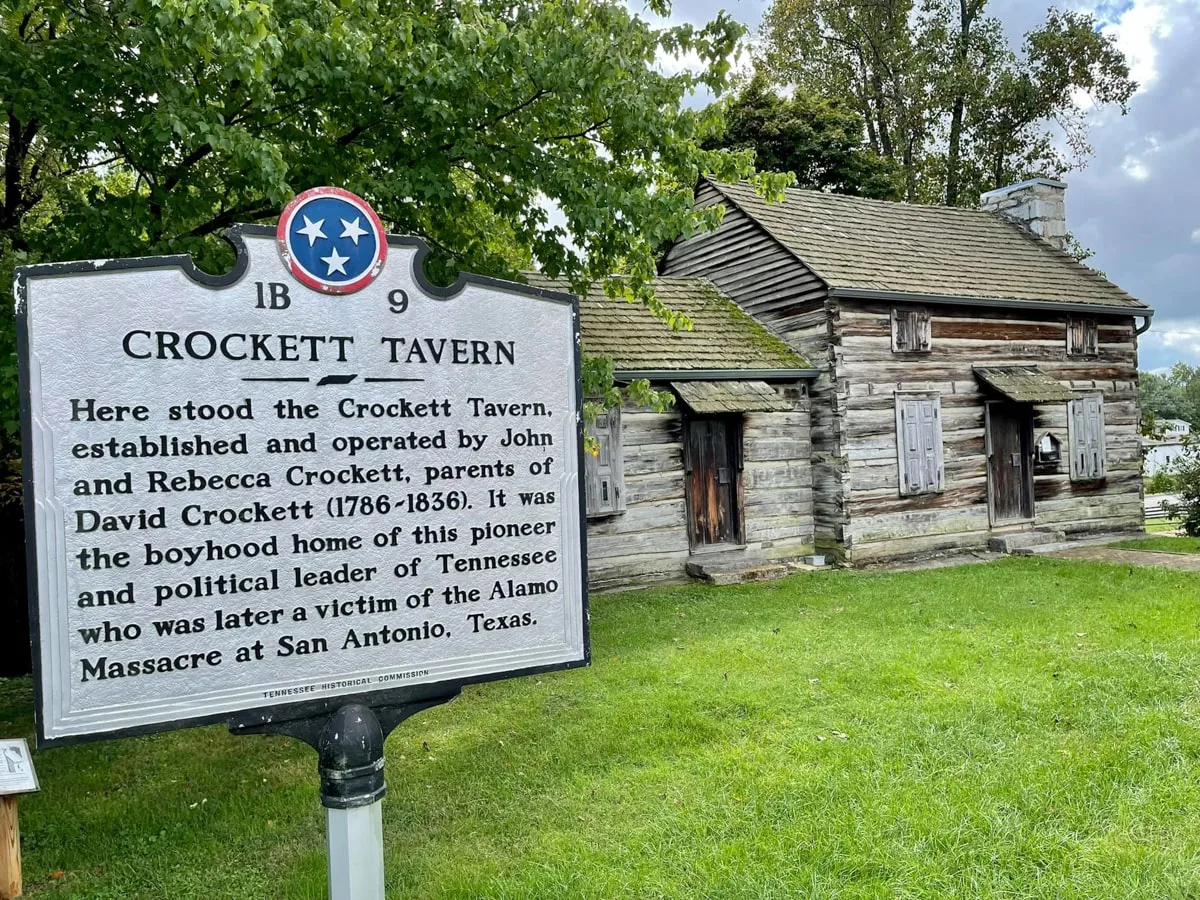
pixel 331 240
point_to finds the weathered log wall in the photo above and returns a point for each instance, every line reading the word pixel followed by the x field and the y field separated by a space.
pixel 883 524
pixel 767 281
pixel 858 510
pixel 649 540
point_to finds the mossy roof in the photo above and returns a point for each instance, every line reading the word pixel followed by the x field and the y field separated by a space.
pixel 722 336
pixel 858 243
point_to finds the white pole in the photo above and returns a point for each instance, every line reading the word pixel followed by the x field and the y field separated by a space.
pixel 352 791
pixel 356 852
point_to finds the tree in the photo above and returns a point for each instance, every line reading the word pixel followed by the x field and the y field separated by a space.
pixel 1172 395
pixel 864 53
pixel 1161 397
pixel 149 126
pixel 816 139
pixel 975 114
pixel 1185 471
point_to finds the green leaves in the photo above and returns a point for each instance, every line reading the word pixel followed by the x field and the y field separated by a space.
pixel 148 126
pixel 818 140
pixel 941 92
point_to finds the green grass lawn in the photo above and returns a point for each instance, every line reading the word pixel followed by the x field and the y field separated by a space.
pixel 1162 544
pixel 1025 728
pixel 1160 527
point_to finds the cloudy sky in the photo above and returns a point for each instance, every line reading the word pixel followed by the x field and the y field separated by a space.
pixel 1137 203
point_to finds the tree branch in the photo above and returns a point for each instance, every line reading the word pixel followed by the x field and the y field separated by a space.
pixel 223 220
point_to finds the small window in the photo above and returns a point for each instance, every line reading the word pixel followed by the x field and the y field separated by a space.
pixel 911 330
pixel 1085 419
pixel 1083 337
pixel 919 444
pixel 1049 449
pixel 604 471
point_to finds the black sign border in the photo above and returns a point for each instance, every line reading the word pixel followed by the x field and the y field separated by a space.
pixel 396 696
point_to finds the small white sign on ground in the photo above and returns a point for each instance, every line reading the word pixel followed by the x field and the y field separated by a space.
pixel 17 775
pixel 318 476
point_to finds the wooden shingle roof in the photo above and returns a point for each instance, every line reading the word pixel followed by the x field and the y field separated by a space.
pixel 1024 384
pixel 722 338
pixel 853 243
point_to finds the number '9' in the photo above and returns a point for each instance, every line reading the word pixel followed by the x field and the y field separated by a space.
pixel 398 301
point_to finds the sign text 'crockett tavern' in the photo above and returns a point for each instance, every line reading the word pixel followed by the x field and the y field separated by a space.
pixel 318 476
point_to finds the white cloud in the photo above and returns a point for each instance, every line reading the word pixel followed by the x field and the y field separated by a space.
pixel 1169 341
pixel 1135 202
pixel 1135 168
pixel 1137 31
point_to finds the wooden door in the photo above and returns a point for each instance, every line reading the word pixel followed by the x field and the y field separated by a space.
pixel 1010 474
pixel 712 464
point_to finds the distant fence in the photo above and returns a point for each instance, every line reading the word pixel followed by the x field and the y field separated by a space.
pixel 1154 505
pixel 14 600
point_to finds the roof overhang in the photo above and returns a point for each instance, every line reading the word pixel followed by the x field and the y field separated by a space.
pixel 1093 309
pixel 717 397
pixel 715 374
pixel 1024 384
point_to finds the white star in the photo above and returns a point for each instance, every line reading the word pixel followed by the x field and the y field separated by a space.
pixel 312 230
pixel 352 230
pixel 335 262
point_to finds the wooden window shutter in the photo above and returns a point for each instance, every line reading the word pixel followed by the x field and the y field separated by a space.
pixel 912 331
pixel 1085 421
pixel 1083 337
pixel 604 472
pixel 919 444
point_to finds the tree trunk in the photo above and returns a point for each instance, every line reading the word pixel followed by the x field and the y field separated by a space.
pixel 910 172
pixel 864 109
pixel 885 135
pixel 966 15
pixel 16 156
pixel 954 152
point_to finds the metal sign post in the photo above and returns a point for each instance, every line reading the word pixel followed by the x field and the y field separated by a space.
pixel 311 496
pixel 349 744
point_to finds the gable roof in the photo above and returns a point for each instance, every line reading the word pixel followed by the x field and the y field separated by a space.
pixel 861 246
pixel 723 338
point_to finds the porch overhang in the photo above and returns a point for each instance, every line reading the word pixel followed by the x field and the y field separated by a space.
pixel 716 397
pixel 676 375
pixel 1024 384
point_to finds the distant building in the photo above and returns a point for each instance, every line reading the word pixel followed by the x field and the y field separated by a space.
pixel 1158 454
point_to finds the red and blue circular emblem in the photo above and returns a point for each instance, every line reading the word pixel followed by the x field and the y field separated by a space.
pixel 331 240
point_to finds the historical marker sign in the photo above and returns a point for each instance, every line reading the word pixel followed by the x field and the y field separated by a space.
pixel 17 775
pixel 317 477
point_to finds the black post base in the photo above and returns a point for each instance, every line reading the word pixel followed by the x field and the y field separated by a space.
pixel 348 737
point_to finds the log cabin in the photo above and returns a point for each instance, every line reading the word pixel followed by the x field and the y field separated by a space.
pixel 721 481
pixel 977 386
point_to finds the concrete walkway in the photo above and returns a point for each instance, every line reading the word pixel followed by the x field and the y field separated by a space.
pixel 1184 562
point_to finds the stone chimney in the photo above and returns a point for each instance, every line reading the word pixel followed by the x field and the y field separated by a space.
pixel 1039 204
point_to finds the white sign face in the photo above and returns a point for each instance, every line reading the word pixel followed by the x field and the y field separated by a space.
pixel 16 768
pixel 260 494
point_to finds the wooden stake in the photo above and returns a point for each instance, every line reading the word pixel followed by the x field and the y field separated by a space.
pixel 10 850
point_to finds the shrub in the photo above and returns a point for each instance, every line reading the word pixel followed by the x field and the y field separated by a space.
pixel 1187 477
pixel 1162 482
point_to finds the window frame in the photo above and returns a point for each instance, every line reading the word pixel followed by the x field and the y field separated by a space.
pixel 937 484
pixel 1081 470
pixel 1090 336
pixel 596 475
pixel 920 322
